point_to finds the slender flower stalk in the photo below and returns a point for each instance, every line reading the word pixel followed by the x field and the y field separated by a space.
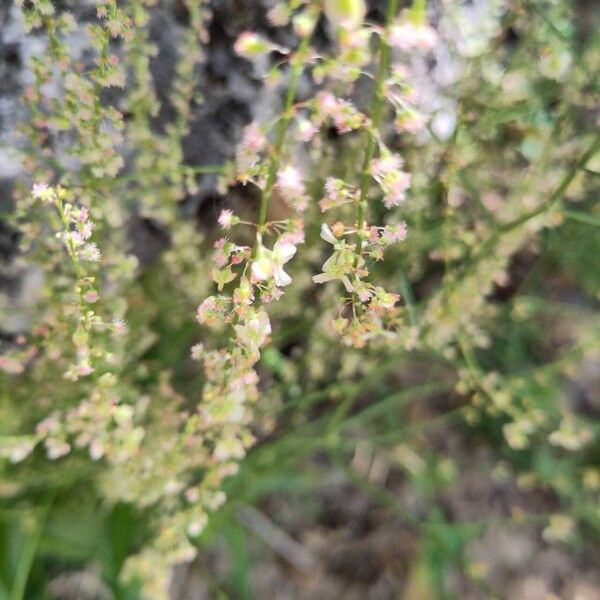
pixel 297 66
pixel 376 112
pixel 77 231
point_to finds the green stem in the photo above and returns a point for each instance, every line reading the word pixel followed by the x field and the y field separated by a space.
pixel 376 111
pixel 582 217
pixel 560 191
pixel 29 551
pixel 297 64
pixel 409 299
pixel 70 245
pixel 199 169
pixel 418 10
pixel 79 274
pixel 554 198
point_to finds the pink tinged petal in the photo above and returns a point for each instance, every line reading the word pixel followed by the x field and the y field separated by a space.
pixel 326 234
pixel 265 323
pixel 39 189
pixel 225 219
pixel 290 179
pixel 282 278
pixel 283 252
pixel 262 268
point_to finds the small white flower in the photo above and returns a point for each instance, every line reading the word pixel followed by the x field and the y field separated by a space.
pixel 119 327
pixel 290 180
pixel 196 527
pixel 90 252
pixel 56 448
pixel 255 331
pixel 227 219
pixel 269 263
pixel 327 234
pixel 41 191
pixel 197 351
pixel 229 448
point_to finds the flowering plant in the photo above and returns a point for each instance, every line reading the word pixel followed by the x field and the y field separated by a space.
pixel 373 220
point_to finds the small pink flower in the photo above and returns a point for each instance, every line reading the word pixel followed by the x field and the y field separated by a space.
pixel 279 15
pixel 396 192
pixel 247 155
pixel 86 230
pixel 295 235
pixel 394 233
pixel 406 36
pixel 326 103
pixel 305 130
pixel 346 118
pixel 410 121
pixel 197 350
pixel 41 191
pixel 204 310
pixel 91 296
pixel 119 327
pixel 385 165
pixel 226 219
pixel 393 181
pixel 90 252
pixel 84 369
pixel 290 180
pixel 253 138
pixel 221 255
pixel 291 186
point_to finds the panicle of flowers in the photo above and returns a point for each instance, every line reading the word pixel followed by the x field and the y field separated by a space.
pixel 368 311
pixel 408 34
pixel 96 418
pixel 183 95
pixel 159 156
pixel 246 277
pixel 76 234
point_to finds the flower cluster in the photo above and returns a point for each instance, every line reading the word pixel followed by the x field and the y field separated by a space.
pixel 76 234
pixel 342 114
pixel 364 312
pixel 394 182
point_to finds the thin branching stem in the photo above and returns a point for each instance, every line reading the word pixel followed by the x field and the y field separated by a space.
pixel 376 112
pixel 297 65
